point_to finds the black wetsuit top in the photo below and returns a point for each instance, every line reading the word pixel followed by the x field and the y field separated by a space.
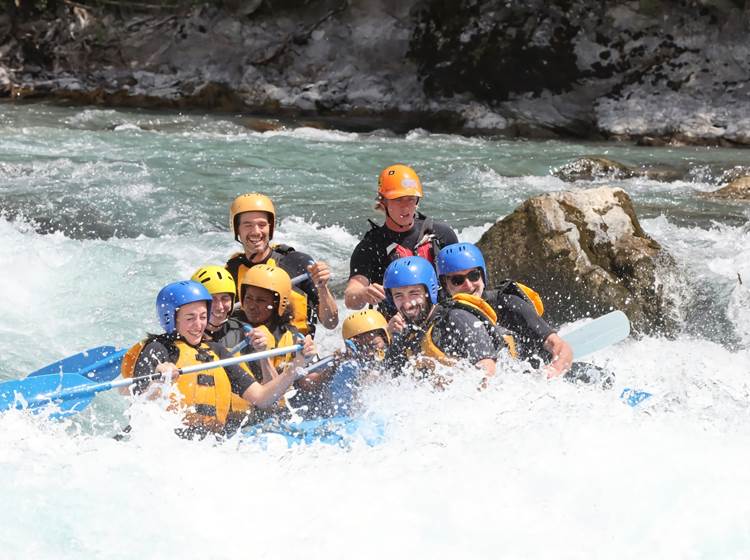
pixel 371 255
pixel 156 352
pixel 519 316
pixel 457 332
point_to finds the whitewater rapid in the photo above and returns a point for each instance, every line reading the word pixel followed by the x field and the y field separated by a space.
pixel 525 469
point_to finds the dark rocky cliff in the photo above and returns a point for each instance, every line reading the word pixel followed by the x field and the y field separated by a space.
pixel 648 70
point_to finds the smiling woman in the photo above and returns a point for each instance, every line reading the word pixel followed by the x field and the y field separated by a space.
pixel 218 399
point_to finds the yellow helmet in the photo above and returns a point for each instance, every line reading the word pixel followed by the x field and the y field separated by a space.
pixel 271 278
pixel 361 322
pixel 216 279
pixel 251 202
pixel 399 180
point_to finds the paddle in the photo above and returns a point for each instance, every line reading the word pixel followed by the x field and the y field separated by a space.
pixel 101 363
pixel 598 334
pixel 74 392
pixel 244 342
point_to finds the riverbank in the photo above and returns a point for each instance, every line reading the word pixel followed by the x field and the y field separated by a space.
pixel 646 72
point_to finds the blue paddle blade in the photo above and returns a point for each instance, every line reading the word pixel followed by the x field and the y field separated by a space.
pixel 97 364
pixel 598 334
pixel 339 430
pixel 633 397
pixel 42 390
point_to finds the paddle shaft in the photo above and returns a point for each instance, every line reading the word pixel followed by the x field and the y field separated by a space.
pixel 317 365
pixel 97 388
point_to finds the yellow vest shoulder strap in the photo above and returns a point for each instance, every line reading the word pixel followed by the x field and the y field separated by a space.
pixel 534 297
pixel 477 303
pixel 127 368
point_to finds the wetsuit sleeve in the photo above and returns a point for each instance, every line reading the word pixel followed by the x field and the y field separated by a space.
pixel 362 260
pixel 239 379
pixel 519 316
pixel 404 346
pixel 444 234
pixel 460 334
pixel 153 354
pixel 395 356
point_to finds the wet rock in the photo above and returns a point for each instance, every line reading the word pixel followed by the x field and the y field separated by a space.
pixel 653 72
pixel 586 254
pixel 663 173
pixel 590 168
pixel 598 167
pixel 260 125
pixel 739 189
pixel 736 172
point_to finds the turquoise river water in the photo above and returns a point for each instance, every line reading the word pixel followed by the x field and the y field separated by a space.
pixel 100 208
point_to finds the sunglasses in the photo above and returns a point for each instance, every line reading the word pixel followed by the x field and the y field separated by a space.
pixel 458 279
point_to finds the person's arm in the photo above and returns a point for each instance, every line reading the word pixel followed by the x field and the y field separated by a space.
pixel 519 316
pixel 260 338
pixel 328 311
pixel 360 292
pixel 265 396
pixel 460 336
pixel 488 365
pixel 448 236
pixel 153 358
pixel 562 355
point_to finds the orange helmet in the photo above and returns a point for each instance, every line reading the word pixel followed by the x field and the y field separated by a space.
pixel 251 202
pixel 399 180
pixel 361 322
pixel 271 278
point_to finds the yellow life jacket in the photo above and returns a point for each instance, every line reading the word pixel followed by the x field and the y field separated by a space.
pixel 238 265
pixel 127 366
pixel 208 393
pixel 476 306
pixel 285 338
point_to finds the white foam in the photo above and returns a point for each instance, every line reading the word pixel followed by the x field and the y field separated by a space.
pixel 314 134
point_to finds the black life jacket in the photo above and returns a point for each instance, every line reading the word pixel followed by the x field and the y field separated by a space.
pixel 427 245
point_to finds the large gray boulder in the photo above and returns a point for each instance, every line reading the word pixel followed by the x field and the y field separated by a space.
pixel 586 254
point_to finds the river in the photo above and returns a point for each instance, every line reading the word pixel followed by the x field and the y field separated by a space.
pixel 100 208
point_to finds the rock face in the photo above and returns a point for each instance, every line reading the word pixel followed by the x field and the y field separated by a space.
pixel 652 70
pixel 586 254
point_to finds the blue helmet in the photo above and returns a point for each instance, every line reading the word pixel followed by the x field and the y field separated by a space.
pixel 460 256
pixel 175 295
pixel 409 271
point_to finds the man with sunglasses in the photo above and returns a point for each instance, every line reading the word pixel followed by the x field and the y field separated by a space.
pixel 405 232
pixel 461 269
pixel 463 328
